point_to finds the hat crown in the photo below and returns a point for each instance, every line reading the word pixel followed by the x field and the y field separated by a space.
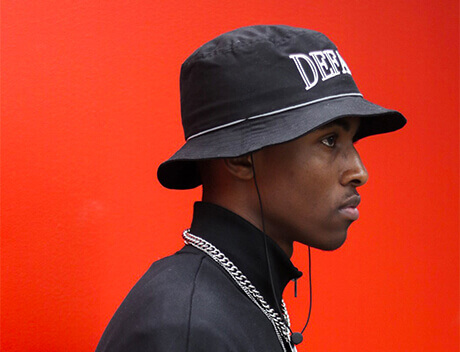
pixel 240 38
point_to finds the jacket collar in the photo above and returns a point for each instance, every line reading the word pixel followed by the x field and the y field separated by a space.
pixel 243 244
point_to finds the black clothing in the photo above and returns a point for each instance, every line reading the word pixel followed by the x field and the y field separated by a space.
pixel 188 302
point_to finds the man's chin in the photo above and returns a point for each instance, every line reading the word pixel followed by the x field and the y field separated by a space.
pixel 333 242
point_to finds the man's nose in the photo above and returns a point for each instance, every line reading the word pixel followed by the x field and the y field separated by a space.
pixel 355 173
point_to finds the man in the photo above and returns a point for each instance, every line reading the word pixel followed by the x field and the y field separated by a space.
pixel 270 115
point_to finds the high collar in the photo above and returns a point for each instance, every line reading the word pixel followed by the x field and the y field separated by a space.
pixel 243 244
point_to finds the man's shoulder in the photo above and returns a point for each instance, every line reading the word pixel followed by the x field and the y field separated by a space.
pixel 157 301
pixel 185 301
pixel 184 278
pixel 167 279
pixel 175 269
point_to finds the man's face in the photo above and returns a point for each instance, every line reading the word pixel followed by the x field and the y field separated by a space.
pixel 308 186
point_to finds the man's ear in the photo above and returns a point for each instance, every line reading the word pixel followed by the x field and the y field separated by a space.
pixel 240 167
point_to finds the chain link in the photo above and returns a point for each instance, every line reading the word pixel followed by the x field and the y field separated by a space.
pixel 280 323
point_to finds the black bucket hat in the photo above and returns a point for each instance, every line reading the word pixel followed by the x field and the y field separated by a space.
pixel 259 86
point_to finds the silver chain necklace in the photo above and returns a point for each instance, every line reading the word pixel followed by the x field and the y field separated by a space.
pixel 280 324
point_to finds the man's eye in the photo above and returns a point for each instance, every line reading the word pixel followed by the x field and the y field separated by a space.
pixel 329 141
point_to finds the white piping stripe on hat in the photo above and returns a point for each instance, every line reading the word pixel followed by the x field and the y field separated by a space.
pixel 272 113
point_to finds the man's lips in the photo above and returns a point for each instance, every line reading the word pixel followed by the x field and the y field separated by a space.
pixel 349 207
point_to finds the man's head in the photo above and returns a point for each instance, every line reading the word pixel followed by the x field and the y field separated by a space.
pixel 258 95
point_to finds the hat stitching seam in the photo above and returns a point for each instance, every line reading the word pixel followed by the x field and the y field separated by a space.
pixel 241 44
pixel 274 112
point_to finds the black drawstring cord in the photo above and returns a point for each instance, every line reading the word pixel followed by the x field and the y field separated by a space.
pixel 296 338
pixel 270 274
pixel 311 290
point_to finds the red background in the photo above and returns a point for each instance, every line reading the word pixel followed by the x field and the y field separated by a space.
pixel 90 107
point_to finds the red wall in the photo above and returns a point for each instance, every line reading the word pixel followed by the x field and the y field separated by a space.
pixel 90 107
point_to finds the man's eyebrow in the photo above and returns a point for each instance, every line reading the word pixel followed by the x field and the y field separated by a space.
pixel 340 122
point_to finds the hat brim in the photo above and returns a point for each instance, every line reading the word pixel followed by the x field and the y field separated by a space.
pixel 180 171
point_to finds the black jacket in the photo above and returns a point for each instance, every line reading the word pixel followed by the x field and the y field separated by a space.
pixel 188 302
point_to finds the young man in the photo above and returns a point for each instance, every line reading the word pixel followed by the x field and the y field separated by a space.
pixel 270 115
